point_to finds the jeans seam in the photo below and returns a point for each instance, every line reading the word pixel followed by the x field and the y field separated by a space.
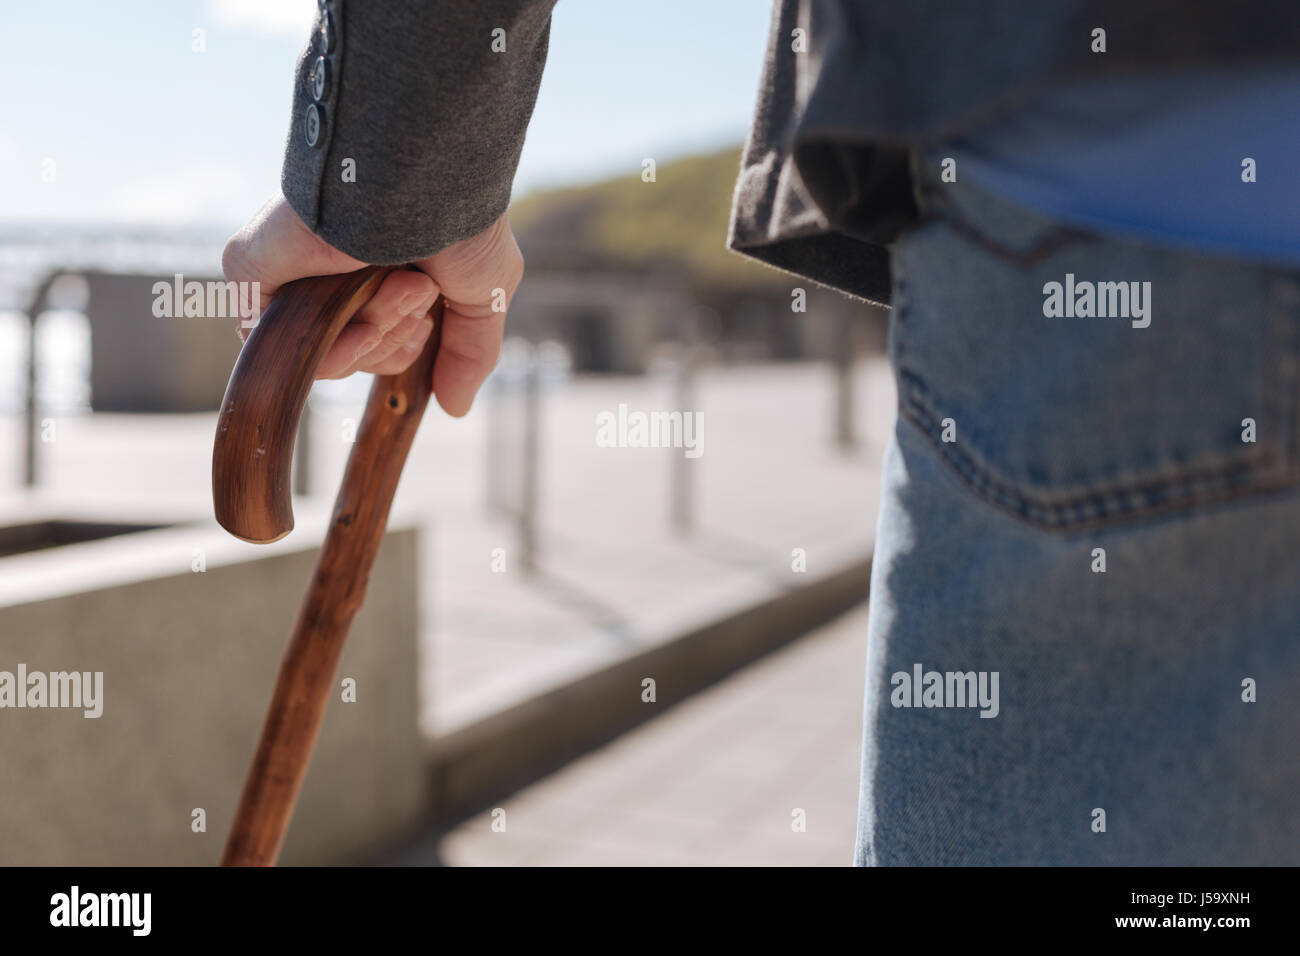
pixel 1055 239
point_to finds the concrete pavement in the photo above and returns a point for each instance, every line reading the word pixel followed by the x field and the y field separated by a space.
pixel 718 780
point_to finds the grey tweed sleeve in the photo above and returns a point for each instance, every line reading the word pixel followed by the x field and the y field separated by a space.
pixel 408 120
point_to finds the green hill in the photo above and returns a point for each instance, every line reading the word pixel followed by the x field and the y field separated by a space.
pixel 677 223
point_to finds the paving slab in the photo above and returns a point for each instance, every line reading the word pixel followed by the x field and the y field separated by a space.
pixel 714 781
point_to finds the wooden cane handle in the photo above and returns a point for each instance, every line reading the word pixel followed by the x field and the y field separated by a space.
pixel 252 458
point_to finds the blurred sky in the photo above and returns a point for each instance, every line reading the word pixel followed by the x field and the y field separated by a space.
pixel 143 130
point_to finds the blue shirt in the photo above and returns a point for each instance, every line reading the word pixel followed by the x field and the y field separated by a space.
pixel 1157 157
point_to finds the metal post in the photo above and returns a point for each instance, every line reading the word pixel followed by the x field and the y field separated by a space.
pixel 529 475
pixel 682 487
pixel 694 329
pixel 31 411
pixel 497 417
pixel 31 405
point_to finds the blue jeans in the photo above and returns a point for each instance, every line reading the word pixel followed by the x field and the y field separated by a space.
pixel 1073 504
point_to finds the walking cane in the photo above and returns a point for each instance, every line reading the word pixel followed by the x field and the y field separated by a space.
pixel 251 464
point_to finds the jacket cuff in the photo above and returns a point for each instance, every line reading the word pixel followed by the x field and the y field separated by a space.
pixel 408 120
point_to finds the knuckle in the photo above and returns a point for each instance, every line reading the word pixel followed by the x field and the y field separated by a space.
pixel 229 258
pixel 515 270
pixel 234 257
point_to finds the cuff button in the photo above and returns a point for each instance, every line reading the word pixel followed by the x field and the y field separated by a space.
pixel 326 30
pixel 312 126
pixel 319 79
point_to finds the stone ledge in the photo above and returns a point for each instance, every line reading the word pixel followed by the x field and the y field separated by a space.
pixel 478 763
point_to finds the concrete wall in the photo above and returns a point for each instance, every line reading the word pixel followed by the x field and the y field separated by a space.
pixel 142 363
pixel 189 660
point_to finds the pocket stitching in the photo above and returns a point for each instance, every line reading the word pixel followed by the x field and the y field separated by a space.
pixel 1256 468
pixel 1103 503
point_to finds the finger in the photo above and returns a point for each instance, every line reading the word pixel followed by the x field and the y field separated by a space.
pixel 467 354
pixel 354 342
pixel 409 328
pixel 406 352
pixel 402 293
